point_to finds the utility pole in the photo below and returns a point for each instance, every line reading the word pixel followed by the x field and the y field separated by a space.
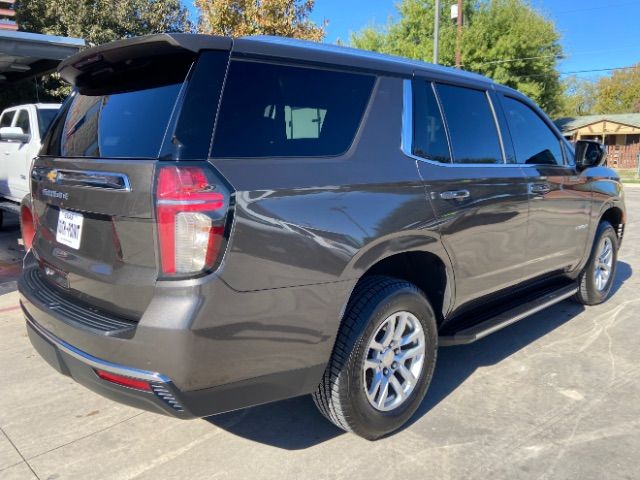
pixel 459 36
pixel 436 34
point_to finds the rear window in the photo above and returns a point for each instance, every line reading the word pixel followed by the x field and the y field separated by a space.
pixel 45 117
pixel 120 125
pixel 272 110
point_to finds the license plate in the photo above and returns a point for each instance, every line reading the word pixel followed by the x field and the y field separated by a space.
pixel 69 228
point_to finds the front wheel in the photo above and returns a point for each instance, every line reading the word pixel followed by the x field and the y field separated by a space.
pixel 383 359
pixel 596 280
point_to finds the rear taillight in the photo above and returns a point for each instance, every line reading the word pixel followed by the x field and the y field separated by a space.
pixel 27 227
pixel 190 212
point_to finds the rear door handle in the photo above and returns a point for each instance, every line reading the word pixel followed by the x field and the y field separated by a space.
pixel 455 195
pixel 540 188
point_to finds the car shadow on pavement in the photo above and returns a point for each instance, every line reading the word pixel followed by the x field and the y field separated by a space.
pixel 11 253
pixel 295 424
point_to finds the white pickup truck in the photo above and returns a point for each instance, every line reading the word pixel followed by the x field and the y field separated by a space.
pixel 22 129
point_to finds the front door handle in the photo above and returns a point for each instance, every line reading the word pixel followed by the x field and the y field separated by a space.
pixel 455 195
pixel 540 188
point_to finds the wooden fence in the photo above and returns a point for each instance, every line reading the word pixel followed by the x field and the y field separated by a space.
pixel 623 156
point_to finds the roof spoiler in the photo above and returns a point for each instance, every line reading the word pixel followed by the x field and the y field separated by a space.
pixel 81 67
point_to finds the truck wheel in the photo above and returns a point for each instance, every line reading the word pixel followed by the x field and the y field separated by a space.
pixel 596 280
pixel 382 361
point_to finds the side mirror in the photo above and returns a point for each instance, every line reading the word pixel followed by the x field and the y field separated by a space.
pixel 589 153
pixel 14 134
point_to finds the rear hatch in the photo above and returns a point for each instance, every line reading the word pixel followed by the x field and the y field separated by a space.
pixel 138 106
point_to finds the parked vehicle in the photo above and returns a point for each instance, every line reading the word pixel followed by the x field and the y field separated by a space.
pixel 21 131
pixel 270 218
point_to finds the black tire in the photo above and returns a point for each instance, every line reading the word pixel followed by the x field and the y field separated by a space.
pixel 588 293
pixel 341 396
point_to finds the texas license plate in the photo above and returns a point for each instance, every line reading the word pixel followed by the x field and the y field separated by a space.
pixel 69 228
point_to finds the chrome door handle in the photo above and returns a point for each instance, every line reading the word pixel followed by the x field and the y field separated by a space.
pixel 455 195
pixel 539 188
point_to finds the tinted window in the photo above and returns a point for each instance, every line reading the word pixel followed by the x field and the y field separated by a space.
pixel 6 119
pixel 45 117
pixel 533 140
pixel 23 122
pixel 128 124
pixel 429 134
pixel 282 111
pixel 474 137
pixel 192 138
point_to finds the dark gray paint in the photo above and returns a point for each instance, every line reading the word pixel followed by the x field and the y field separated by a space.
pixel 304 231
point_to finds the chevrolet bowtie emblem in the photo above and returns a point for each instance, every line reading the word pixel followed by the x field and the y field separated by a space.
pixel 52 175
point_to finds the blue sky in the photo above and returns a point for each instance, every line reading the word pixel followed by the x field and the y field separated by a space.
pixel 596 34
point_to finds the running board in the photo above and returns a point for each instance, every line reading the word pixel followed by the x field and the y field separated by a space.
pixel 472 334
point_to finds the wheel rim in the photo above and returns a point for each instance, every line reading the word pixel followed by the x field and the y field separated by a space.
pixel 394 361
pixel 604 263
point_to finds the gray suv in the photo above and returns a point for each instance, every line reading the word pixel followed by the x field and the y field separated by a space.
pixel 223 223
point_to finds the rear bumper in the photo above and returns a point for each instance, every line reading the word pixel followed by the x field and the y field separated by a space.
pixel 201 344
pixel 82 367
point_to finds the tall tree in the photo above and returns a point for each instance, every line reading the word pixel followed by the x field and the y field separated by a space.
pixel 286 18
pixel 620 92
pixel 579 97
pixel 101 21
pixel 507 40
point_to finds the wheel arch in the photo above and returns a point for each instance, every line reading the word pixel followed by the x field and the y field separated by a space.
pixel 427 268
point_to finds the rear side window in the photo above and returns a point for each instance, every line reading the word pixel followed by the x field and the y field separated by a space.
pixel 272 110
pixel 6 119
pixel 472 127
pixel 429 134
pixel 23 122
pixel 534 142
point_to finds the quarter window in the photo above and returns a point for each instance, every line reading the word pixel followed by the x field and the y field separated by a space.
pixel 429 134
pixel 272 110
pixel 472 127
pixel 533 140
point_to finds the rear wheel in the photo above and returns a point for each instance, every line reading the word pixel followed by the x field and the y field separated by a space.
pixel 596 280
pixel 383 359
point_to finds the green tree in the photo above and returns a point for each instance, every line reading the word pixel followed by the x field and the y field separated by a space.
pixel 101 21
pixel 579 97
pixel 236 18
pixel 507 40
pixel 620 92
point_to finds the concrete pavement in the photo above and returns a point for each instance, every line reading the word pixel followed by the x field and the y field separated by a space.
pixel 556 395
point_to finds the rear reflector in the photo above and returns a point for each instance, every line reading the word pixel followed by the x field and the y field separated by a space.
pixel 27 227
pixel 190 214
pixel 124 381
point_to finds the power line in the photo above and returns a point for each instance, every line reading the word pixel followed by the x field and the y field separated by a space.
pixel 595 70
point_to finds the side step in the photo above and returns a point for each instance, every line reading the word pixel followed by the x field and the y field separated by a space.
pixel 493 324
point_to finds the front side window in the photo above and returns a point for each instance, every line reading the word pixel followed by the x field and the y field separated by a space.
pixel 270 110
pixel 22 121
pixel 472 127
pixel 533 140
pixel 429 134
pixel 6 119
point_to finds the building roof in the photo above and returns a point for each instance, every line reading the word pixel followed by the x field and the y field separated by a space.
pixel 570 124
pixel 24 55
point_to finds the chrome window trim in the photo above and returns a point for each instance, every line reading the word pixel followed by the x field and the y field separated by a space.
pixel 407 135
pixel 94 361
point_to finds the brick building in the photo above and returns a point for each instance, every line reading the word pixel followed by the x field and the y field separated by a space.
pixel 7 15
